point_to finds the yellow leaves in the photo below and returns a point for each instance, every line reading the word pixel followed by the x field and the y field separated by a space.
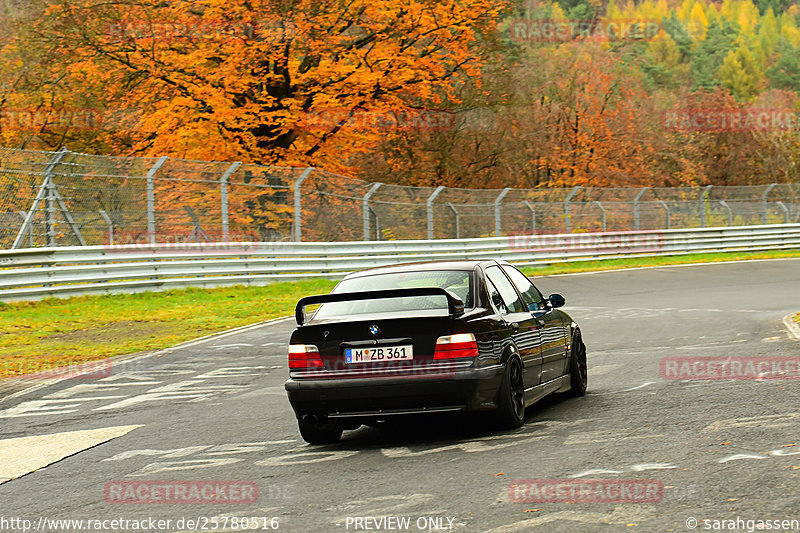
pixel 698 23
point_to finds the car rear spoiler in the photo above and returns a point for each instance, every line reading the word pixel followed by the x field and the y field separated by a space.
pixel 455 306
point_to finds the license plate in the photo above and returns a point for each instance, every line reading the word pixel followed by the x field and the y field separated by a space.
pixel 378 353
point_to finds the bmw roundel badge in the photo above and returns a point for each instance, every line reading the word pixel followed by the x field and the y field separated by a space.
pixel 374 330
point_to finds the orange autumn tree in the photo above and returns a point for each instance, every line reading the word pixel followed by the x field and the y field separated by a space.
pixel 272 82
pixel 591 124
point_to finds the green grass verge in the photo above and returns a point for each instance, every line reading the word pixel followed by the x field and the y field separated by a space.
pixel 36 336
pixel 614 264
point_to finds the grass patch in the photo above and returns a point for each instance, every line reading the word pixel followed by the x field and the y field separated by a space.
pixel 638 262
pixel 36 336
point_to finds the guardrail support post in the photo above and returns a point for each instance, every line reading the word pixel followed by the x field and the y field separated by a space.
pixel 567 200
pixel 151 201
pixel 223 192
pixel 497 222
pixel 298 215
pixel 429 206
pixel 667 212
pixel 458 219
pixel 43 194
pixel 367 208
pixel 49 218
pixel 764 199
pixel 703 201
pixel 533 216
pixel 603 211
pixel 724 204
pixel 636 217
pixel 110 224
pixel 785 212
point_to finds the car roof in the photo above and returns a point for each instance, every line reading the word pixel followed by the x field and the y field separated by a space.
pixel 461 264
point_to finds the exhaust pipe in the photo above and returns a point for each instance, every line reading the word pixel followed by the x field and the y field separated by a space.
pixel 311 419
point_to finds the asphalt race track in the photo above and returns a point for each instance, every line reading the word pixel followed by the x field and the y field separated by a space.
pixel 716 449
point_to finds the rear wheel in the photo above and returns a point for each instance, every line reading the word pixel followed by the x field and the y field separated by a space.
pixel 578 369
pixel 511 397
pixel 316 433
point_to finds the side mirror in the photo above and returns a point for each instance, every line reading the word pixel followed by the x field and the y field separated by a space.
pixel 556 301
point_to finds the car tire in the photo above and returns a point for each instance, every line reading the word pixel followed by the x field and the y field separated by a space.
pixel 511 396
pixel 315 433
pixel 578 369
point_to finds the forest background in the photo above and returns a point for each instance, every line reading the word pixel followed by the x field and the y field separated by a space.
pixel 460 93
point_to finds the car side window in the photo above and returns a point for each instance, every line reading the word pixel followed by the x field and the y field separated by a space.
pixel 506 289
pixel 530 294
pixel 497 300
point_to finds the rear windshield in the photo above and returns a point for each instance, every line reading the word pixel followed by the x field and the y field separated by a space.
pixel 458 282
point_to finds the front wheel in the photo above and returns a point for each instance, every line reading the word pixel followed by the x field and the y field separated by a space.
pixel 511 396
pixel 578 368
pixel 316 433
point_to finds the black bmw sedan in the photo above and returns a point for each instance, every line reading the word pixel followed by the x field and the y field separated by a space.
pixel 428 338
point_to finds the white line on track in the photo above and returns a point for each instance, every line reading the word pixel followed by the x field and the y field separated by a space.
pixel 235 345
pixel 23 455
pixel 791 326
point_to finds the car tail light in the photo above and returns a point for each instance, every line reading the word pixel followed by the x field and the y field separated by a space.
pixel 456 346
pixel 304 356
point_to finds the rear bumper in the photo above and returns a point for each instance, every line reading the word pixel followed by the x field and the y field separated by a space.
pixel 474 389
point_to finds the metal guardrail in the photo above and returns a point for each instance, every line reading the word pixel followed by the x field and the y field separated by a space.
pixel 37 273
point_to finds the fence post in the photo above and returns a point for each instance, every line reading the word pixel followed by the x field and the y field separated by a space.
pixel 724 204
pixel 668 220
pixel 110 224
pixel 298 215
pixel 43 194
pixel 785 212
pixel 377 224
pixel 429 205
pixel 703 200
pixel 49 210
pixel 602 210
pixel 24 215
pixel 367 208
pixel 497 222
pixel 151 201
pixel 533 216
pixel 567 200
pixel 223 191
pixel 764 199
pixel 458 219
pixel 636 218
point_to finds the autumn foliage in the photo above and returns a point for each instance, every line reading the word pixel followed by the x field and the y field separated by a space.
pixel 234 80
pixel 463 93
